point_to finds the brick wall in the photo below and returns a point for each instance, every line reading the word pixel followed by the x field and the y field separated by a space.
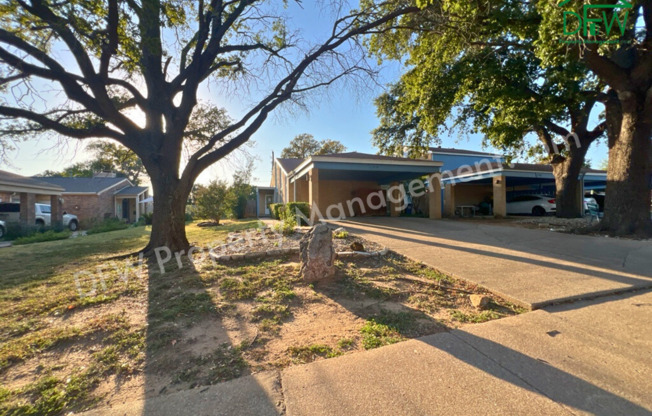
pixel 91 207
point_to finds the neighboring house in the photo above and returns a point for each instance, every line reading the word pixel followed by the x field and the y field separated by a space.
pixel 471 177
pixel 349 184
pixel 102 196
pixel 468 178
pixel 27 191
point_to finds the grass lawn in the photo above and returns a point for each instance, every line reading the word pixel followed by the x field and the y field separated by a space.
pixel 83 325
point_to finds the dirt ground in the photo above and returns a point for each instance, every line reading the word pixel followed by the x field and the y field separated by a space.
pixel 208 322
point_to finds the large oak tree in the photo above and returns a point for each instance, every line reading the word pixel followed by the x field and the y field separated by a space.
pixel 472 66
pixel 130 71
pixel 615 43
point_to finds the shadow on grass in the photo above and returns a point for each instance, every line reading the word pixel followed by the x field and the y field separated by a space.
pixel 188 350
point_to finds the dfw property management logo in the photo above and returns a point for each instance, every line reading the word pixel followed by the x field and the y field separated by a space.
pixel 596 19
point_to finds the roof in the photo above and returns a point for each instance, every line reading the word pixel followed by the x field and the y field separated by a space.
pixel 132 190
pixel 450 150
pixel 364 156
pixel 528 167
pixel 16 183
pixel 289 164
pixel 95 185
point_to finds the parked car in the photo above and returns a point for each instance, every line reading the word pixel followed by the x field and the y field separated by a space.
pixel 10 212
pixel 3 229
pixel 538 205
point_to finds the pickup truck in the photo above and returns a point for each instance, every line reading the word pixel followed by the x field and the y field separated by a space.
pixel 10 212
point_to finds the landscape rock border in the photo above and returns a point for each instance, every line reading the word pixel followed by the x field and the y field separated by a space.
pixel 285 251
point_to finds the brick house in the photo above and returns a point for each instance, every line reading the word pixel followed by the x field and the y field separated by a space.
pixel 102 196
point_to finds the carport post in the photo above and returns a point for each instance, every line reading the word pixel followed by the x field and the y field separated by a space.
pixel 56 212
pixel 396 195
pixel 313 193
pixel 449 200
pixel 434 197
pixel 27 214
pixel 500 196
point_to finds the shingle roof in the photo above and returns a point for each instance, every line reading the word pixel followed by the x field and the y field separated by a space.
pixel 84 185
pixel 358 155
pixel 9 178
pixel 459 151
pixel 289 164
pixel 132 190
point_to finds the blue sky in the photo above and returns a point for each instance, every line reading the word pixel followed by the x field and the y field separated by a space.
pixel 343 113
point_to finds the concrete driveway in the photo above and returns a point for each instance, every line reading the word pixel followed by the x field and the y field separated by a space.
pixel 533 268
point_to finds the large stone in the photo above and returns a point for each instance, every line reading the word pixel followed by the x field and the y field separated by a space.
pixel 317 254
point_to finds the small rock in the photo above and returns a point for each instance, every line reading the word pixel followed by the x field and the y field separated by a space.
pixel 479 301
pixel 357 246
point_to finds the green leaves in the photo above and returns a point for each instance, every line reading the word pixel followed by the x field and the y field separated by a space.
pixel 473 67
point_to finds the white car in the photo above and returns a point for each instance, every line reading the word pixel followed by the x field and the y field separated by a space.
pixel 43 213
pixel 3 229
pixel 538 205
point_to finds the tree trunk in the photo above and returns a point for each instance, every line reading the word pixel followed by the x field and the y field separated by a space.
pixel 169 219
pixel 627 200
pixel 567 171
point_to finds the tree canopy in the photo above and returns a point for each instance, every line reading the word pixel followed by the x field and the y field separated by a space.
pixel 305 145
pixel 132 71
pixel 472 67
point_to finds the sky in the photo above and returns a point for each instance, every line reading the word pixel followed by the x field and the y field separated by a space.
pixel 344 112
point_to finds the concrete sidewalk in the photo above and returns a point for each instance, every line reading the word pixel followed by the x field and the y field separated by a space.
pixel 533 268
pixel 583 358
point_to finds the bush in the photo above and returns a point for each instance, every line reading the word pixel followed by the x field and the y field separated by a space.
pixel 147 218
pixel 108 224
pixel 276 210
pixel 283 211
pixel 303 207
pixel 211 201
pixel 288 222
pixel 17 230
pixel 50 235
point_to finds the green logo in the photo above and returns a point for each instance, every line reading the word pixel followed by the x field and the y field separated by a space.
pixel 594 19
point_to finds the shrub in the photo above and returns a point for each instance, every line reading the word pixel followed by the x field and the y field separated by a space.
pixel 276 210
pixel 147 217
pixel 211 201
pixel 50 235
pixel 108 224
pixel 17 230
pixel 302 207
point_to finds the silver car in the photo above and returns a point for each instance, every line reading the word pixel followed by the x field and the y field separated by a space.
pixel 3 229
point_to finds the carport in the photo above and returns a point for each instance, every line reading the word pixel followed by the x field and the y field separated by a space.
pixel 357 184
pixel 470 185
pixel 29 190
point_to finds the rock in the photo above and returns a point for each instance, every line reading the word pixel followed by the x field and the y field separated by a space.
pixel 357 246
pixel 479 301
pixel 339 230
pixel 317 254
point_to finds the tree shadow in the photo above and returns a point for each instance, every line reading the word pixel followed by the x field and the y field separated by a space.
pixel 189 355
pixel 491 358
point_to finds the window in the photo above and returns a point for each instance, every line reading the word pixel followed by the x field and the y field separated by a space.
pixel 45 209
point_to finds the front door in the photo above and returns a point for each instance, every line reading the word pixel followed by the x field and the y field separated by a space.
pixel 125 209
pixel 268 201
